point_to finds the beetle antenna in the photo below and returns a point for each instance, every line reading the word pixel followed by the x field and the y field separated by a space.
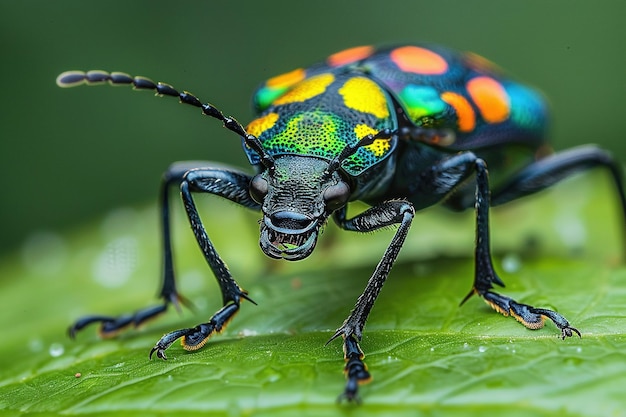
pixel 350 150
pixel 95 77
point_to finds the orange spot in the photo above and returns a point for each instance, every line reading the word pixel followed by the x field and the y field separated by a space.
pixel 490 98
pixel 349 56
pixel 263 123
pixel 418 60
pixel 287 79
pixel 463 109
pixel 306 89
pixel 481 63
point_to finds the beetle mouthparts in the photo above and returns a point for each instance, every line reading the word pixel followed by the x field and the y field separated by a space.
pixel 289 246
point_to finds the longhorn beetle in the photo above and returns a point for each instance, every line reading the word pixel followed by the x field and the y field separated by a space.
pixel 399 128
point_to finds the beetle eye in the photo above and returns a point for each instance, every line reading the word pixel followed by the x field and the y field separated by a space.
pixel 258 188
pixel 336 196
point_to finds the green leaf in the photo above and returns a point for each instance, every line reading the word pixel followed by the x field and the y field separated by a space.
pixel 428 356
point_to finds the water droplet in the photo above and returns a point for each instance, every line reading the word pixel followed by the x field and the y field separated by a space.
pixel 432 349
pixel 465 345
pixel 116 263
pixel 56 349
pixel 579 349
pixel 511 263
pixel 482 349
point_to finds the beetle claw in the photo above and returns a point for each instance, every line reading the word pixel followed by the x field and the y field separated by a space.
pixel 159 352
pixel 569 331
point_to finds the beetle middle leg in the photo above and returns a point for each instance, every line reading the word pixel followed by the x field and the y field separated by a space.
pixel 385 214
pixel 533 178
pixel 441 181
pixel 485 274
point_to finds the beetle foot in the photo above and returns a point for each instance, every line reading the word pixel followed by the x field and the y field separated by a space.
pixel 166 341
pixel 531 317
pixel 355 370
pixel 196 337
pixel 110 326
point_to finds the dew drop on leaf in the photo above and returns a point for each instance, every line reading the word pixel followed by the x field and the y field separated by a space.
pixel 56 350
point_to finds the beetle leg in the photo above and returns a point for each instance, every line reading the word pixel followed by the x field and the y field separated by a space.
pixel 385 214
pixel 233 186
pixel 111 325
pixel 485 275
pixel 552 169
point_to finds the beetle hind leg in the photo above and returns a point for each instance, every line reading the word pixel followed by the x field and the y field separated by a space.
pixel 485 275
pixel 111 326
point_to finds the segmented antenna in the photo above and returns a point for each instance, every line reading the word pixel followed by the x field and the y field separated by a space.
pixel 95 77
pixel 350 150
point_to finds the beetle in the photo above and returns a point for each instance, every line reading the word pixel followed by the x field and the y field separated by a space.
pixel 400 128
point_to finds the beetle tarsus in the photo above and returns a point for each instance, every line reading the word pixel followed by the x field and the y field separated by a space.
pixel 196 337
pixel 355 369
pixel 110 326
pixel 531 317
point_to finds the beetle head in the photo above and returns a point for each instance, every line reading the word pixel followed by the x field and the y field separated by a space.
pixel 297 196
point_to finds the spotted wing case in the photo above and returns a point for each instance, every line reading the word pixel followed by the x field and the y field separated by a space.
pixel 318 110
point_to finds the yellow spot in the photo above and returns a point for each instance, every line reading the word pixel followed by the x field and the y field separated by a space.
pixel 379 147
pixel 287 79
pixel 364 95
pixel 263 123
pixel 306 89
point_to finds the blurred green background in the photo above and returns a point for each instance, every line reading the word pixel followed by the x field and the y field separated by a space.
pixel 67 156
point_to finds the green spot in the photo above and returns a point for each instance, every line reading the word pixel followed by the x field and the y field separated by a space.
pixel 265 96
pixel 422 101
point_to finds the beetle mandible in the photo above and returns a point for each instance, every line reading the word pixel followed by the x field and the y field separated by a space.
pixel 400 128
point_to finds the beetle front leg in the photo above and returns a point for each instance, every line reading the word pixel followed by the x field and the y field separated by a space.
pixel 485 275
pixel 385 214
pixel 233 186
